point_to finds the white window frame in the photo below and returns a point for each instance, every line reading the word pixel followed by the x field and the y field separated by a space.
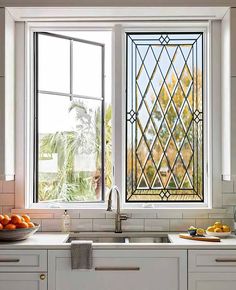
pixel 24 122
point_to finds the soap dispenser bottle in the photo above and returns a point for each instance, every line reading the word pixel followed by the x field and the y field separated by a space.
pixel 65 222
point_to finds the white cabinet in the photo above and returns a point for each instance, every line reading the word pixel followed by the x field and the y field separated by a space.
pixel 23 269
pixel 212 281
pixel 212 270
pixel 22 281
pixel 120 269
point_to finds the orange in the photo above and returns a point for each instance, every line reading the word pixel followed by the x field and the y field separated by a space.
pixel 22 219
pixel 15 219
pixel 6 220
pixel 22 225
pixel 1 217
pixel 31 225
pixel 1 227
pixel 26 218
pixel 10 227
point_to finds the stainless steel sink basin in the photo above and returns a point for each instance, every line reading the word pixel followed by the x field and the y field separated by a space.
pixel 99 239
pixel 127 238
pixel 148 240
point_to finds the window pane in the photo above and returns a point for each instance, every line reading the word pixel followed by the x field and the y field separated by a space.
pixel 164 117
pixel 53 64
pixel 87 70
pixel 69 151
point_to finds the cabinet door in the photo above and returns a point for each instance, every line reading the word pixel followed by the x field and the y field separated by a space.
pixel 212 281
pixel 22 281
pixel 121 269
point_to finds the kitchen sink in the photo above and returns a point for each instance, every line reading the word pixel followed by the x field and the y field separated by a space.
pixel 127 238
pixel 99 239
pixel 148 240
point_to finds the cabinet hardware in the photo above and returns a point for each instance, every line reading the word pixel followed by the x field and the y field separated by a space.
pixel 9 260
pixel 117 268
pixel 42 277
pixel 225 260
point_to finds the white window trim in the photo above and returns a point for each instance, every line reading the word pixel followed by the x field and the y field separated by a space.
pixel 23 199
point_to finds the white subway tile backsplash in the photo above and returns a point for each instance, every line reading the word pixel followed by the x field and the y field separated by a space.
pixel 92 214
pixel 227 186
pixel 81 225
pixel 7 199
pixel 144 215
pixel 181 224
pixel 7 210
pixel 132 225
pixel 8 186
pixel 51 225
pixel 196 213
pixel 221 216
pixel 169 213
pixel 229 199
pixel 103 225
pixel 157 225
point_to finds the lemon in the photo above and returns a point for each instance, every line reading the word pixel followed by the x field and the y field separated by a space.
pixel 218 230
pixel 218 225
pixel 226 228
pixel 210 229
pixel 200 232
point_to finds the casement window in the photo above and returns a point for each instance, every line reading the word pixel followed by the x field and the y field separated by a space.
pixel 165 120
pixel 127 105
pixel 70 128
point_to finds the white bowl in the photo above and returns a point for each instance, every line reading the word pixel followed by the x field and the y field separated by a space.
pixel 18 234
pixel 219 235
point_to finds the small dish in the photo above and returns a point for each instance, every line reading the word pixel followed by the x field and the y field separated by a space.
pixel 219 235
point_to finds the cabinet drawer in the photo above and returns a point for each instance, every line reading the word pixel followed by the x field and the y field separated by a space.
pixel 23 261
pixel 212 261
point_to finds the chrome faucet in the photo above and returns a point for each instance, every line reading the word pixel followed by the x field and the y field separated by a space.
pixel 119 217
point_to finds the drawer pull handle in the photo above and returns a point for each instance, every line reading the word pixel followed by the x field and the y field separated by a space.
pixel 117 269
pixel 42 277
pixel 225 260
pixel 9 260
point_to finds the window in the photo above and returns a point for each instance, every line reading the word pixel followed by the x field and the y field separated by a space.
pixel 164 147
pixel 72 118
pixel 142 90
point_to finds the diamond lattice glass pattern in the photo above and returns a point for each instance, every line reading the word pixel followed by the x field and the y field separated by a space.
pixel 164 147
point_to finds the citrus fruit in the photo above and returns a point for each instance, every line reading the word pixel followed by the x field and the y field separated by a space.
pixel 15 219
pixel 31 225
pixel 226 228
pixel 26 218
pixel 1 227
pixel 210 229
pixel 10 227
pixel 1 217
pixel 22 225
pixel 200 232
pixel 218 230
pixel 5 221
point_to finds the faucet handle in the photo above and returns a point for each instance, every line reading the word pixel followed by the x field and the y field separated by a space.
pixel 124 217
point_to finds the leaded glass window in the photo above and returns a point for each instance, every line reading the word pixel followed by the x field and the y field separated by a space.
pixel 164 121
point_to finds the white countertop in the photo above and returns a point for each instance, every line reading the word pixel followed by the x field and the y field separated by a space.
pixel 58 241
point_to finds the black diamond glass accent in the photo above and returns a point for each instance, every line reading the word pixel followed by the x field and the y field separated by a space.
pixel 164 121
